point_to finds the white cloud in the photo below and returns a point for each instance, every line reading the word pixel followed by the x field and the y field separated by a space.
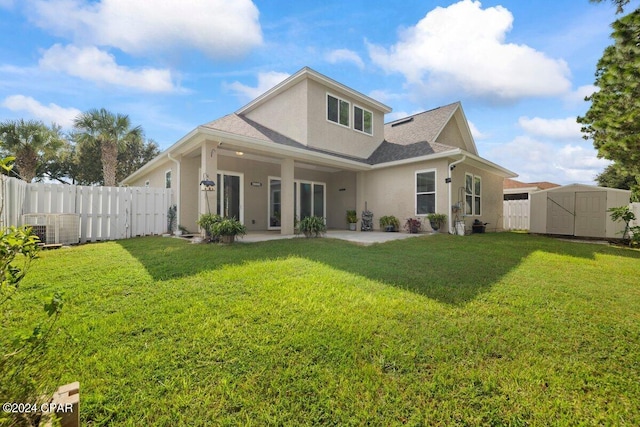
pixel 91 63
pixel 567 128
pixel 576 97
pixel 535 160
pixel 266 81
pixel 463 47
pixel 217 27
pixel 475 132
pixel 344 55
pixel 51 113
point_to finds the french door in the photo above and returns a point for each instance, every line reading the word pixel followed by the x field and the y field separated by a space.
pixel 309 199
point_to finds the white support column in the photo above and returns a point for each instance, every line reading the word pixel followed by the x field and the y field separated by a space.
pixel 208 166
pixel 360 192
pixel 286 196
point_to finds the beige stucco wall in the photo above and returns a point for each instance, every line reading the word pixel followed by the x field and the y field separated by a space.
pixel 336 138
pixel 391 191
pixel 285 113
pixel 491 201
pixel 451 135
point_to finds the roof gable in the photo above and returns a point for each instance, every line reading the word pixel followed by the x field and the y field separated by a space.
pixel 308 73
pixel 446 125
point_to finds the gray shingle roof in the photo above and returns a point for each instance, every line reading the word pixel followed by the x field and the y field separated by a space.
pixel 406 138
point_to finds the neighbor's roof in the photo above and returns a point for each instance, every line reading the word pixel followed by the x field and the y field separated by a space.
pixel 541 185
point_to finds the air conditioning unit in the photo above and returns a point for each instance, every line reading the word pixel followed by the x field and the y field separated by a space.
pixel 54 228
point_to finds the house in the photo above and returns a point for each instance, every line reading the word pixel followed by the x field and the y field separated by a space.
pixel 313 146
pixel 517 190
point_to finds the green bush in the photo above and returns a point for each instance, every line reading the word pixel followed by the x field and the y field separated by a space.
pixel 207 221
pixel 352 217
pixel 313 226
pixel 229 227
pixel 389 220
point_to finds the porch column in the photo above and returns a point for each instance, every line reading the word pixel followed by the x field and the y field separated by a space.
pixel 286 196
pixel 360 190
pixel 208 167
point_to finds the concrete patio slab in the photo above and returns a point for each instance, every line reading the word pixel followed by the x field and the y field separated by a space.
pixel 360 237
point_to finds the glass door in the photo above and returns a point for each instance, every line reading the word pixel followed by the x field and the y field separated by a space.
pixel 308 200
pixel 230 196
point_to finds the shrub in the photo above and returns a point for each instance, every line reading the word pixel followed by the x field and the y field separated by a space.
pixel 413 225
pixel 623 213
pixel 352 217
pixel 313 226
pixel 229 227
pixel 172 216
pixel 389 220
pixel 207 221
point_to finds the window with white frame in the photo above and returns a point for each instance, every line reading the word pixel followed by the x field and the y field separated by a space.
pixel 425 192
pixel 473 195
pixel 338 110
pixel 362 120
pixel 167 179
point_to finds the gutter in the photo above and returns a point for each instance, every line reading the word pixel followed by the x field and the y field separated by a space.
pixel 177 162
pixel 452 166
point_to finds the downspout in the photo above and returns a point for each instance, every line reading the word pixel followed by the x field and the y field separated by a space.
pixel 452 166
pixel 177 162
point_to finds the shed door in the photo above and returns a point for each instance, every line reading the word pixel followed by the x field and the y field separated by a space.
pixel 591 213
pixel 560 213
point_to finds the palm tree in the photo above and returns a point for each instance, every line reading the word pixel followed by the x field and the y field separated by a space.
pixel 109 131
pixel 32 143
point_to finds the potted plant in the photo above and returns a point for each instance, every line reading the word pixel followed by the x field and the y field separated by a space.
pixel 413 225
pixel 478 226
pixel 389 223
pixel 228 229
pixel 436 220
pixel 206 222
pixel 352 219
pixel 313 226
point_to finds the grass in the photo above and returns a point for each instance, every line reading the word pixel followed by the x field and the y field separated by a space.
pixel 495 329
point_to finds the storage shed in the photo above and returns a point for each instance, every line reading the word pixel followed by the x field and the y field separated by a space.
pixel 577 210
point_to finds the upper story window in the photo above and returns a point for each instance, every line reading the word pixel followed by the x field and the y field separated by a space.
pixel 362 120
pixel 338 110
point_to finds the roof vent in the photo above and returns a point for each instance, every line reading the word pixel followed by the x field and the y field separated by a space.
pixel 410 119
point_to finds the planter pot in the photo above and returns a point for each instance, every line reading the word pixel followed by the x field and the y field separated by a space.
pixel 353 226
pixel 227 239
pixel 390 228
pixel 435 226
pixel 478 228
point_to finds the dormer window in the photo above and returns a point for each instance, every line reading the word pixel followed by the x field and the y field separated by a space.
pixel 362 120
pixel 338 110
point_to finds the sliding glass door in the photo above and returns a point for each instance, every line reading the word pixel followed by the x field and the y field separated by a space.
pixel 309 200
pixel 230 196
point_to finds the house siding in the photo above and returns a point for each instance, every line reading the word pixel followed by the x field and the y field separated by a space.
pixel 333 137
pixel 492 203
pixel 286 113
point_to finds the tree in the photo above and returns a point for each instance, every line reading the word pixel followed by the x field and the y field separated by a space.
pixel 620 4
pixel 109 131
pixel 614 177
pixel 613 119
pixel 32 143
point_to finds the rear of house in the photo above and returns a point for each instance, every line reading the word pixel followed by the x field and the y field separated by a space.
pixel 312 146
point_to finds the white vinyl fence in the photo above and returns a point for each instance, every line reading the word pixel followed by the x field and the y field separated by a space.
pixel 516 214
pixel 105 213
pixel 635 208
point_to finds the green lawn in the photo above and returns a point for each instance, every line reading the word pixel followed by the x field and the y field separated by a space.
pixel 494 329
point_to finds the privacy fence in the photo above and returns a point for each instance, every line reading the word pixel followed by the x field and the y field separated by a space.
pixel 103 213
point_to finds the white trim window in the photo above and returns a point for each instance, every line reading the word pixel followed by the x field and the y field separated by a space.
pixel 167 179
pixel 338 110
pixel 362 120
pixel 473 195
pixel 425 192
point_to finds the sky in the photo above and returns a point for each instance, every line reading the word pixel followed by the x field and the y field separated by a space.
pixel 521 69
